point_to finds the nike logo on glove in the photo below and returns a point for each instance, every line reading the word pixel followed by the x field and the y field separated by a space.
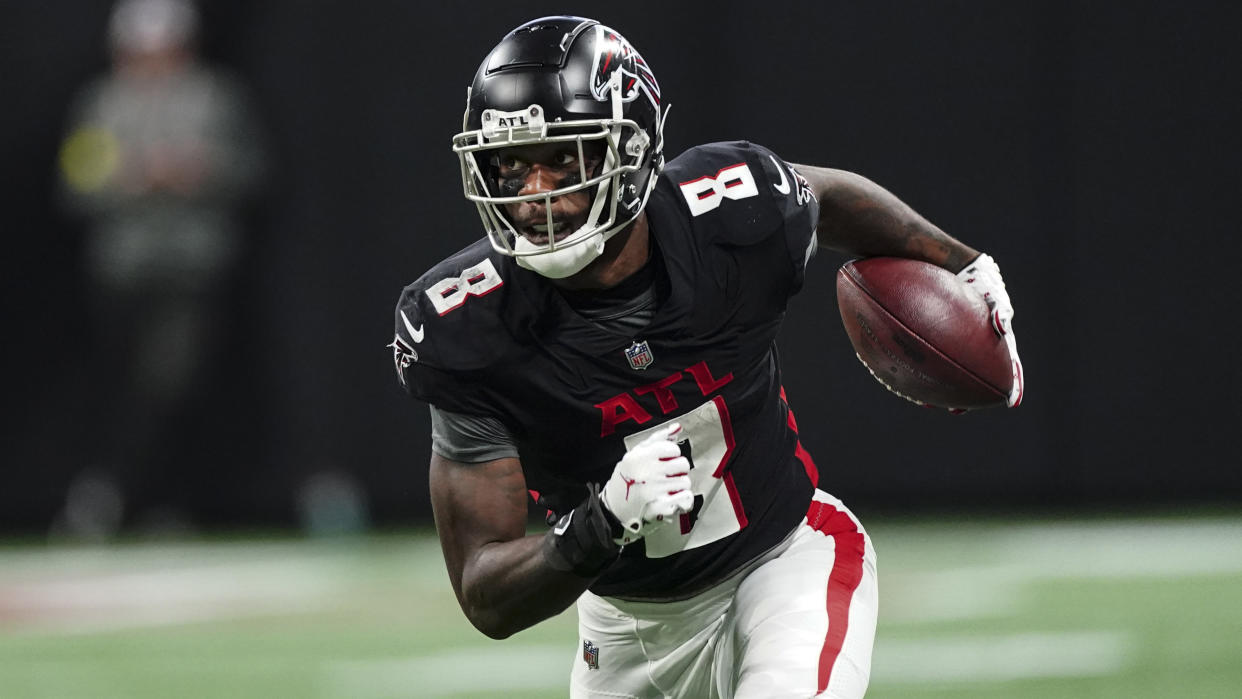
pixel 415 334
pixel 629 483
pixel 783 187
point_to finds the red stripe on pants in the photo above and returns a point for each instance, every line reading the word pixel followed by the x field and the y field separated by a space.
pixel 846 573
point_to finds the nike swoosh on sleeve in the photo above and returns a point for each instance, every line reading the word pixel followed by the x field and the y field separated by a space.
pixel 415 335
pixel 783 187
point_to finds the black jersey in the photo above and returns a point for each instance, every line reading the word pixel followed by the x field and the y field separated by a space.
pixel 734 227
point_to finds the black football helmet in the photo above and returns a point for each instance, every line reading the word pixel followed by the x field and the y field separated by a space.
pixel 568 80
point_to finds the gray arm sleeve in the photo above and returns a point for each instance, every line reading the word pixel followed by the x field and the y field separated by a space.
pixel 468 439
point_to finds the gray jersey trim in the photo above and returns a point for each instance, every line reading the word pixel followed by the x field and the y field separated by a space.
pixel 469 439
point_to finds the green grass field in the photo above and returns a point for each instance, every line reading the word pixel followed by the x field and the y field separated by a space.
pixel 1134 607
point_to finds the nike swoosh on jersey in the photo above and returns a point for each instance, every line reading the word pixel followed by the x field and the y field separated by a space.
pixel 783 187
pixel 415 334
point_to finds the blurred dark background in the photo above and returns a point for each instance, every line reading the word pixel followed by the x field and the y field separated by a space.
pixel 1091 148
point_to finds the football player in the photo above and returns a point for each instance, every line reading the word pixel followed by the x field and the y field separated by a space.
pixel 609 349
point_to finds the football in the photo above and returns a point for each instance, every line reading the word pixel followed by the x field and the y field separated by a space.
pixel 923 333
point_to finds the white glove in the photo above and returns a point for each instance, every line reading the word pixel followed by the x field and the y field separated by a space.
pixel 984 277
pixel 650 484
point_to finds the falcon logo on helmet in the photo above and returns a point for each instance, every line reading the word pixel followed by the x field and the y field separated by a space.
pixel 614 53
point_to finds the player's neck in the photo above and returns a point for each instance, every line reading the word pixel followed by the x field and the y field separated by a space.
pixel 625 254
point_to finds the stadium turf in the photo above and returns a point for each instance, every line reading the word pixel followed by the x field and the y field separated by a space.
pixel 1092 607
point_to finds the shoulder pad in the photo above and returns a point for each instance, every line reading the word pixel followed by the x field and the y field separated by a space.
pixel 736 192
pixel 452 319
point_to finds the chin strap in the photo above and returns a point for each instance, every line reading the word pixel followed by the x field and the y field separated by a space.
pixel 560 263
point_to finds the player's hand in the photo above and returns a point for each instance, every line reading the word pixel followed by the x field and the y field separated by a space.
pixel 650 484
pixel 984 276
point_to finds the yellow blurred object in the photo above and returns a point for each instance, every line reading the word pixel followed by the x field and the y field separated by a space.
pixel 89 157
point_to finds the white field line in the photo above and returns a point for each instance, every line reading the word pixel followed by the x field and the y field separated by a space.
pixel 491 668
pixel 497 668
pixel 103 602
pixel 1086 549
pixel 67 591
pixel 1128 550
pixel 1005 559
pixel 981 658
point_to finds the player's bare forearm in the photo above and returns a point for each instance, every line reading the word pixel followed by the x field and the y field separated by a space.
pixel 859 217
pixel 512 587
pixel 502 577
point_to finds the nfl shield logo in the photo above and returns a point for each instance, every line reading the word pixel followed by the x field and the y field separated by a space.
pixel 639 355
pixel 590 654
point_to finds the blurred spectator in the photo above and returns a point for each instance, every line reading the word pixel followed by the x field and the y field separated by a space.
pixel 159 156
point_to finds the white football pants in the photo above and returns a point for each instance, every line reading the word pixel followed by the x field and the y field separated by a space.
pixel 799 622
